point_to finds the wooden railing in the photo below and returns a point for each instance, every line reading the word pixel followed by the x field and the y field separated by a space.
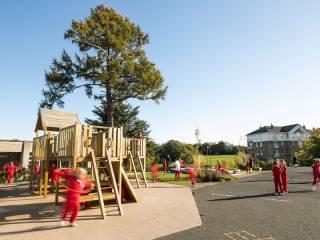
pixel 39 147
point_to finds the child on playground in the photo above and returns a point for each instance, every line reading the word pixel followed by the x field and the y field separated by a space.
pixel 276 171
pixel 154 172
pixel 284 175
pixel 77 181
pixel 51 173
pixel 192 176
pixel 316 173
pixel 10 169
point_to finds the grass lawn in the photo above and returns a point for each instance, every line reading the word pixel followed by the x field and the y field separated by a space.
pixel 211 160
pixel 169 178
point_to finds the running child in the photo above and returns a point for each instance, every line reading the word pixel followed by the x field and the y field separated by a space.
pixel 192 176
pixel 276 171
pixel 10 170
pixel 77 181
pixel 154 172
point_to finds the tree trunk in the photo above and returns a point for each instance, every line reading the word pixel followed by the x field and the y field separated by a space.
pixel 109 107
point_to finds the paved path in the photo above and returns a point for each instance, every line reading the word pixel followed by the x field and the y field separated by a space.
pixel 163 209
pixel 247 209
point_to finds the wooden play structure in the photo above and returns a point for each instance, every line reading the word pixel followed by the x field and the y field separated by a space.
pixel 103 151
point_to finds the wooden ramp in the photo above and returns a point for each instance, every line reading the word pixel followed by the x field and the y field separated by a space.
pixel 126 184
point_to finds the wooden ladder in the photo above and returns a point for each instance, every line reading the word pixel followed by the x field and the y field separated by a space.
pixel 133 163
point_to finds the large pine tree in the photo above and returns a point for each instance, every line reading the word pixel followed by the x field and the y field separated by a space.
pixel 110 64
pixel 124 115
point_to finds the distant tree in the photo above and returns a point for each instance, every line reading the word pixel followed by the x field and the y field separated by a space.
pixel 220 148
pixel 110 64
pixel 310 148
pixel 176 150
pixel 152 152
pixel 124 115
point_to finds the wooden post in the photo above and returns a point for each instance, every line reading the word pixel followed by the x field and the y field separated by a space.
pixel 48 152
pixel 31 180
pixel 114 183
pixel 134 168
pixel 119 148
pixel 142 171
pixel 75 145
pixel 97 182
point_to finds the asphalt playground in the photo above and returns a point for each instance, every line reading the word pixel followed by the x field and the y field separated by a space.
pixel 247 209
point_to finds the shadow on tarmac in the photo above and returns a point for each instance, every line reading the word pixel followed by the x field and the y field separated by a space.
pixel 254 196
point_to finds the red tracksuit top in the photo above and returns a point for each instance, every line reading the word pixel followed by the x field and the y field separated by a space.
pixel 192 172
pixel 276 171
pixel 74 183
pixel 11 169
pixel 284 171
pixel 154 169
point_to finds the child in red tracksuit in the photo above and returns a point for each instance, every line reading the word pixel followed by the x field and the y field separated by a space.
pixel 154 172
pixel 165 166
pixel 76 183
pixel 51 173
pixel 10 169
pixel 276 171
pixel 192 176
pixel 316 173
pixel 284 175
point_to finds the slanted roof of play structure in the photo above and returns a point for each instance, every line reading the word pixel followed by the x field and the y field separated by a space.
pixel 52 120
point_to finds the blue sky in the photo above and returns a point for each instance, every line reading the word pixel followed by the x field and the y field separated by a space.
pixel 231 65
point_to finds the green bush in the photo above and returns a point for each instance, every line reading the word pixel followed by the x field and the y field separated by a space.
pixel 22 175
pixel 310 149
pixel 264 164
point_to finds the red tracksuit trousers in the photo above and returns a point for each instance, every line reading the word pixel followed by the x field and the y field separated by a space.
pixel 284 183
pixel 315 179
pixel 72 207
pixel 277 184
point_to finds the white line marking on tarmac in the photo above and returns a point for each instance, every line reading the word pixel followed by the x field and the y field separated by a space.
pixel 278 200
pixel 221 195
pixel 244 235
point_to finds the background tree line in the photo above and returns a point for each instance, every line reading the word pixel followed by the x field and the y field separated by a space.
pixel 174 149
pixel 219 148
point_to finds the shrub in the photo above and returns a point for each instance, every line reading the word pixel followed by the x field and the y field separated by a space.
pixel 264 164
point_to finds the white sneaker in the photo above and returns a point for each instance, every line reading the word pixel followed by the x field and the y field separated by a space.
pixel 276 194
pixel 61 223
pixel 74 224
pixel 314 188
pixel 282 194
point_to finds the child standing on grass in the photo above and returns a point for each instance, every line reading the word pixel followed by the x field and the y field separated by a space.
pixel 177 169
pixel 192 176
pixel 284 175
pixel 316 173
pixel 276 171
pixel 165 166
pixel 154 172
pixel 76 183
